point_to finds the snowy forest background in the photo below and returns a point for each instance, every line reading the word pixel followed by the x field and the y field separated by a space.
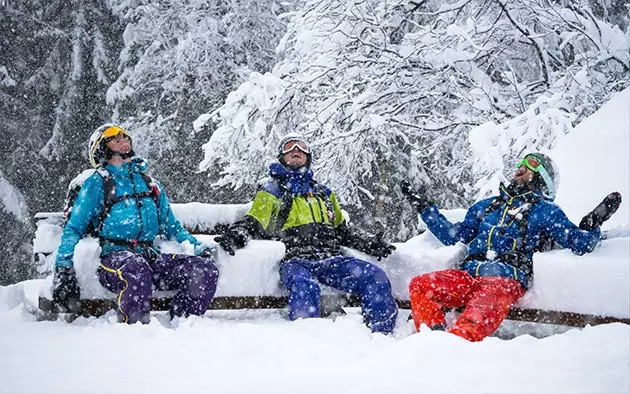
pixel 384 90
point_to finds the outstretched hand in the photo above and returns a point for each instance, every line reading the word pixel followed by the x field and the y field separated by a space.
pixel 602 212
pixel 417 199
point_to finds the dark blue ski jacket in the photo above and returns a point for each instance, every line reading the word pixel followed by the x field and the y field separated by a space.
pixel 503 232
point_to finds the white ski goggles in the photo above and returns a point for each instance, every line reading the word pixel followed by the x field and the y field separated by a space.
pixel 290 145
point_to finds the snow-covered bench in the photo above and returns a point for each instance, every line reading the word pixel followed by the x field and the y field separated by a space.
pixel 568 289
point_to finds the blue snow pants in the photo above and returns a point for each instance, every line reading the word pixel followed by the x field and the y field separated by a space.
pixel 133 278
pixel 348 274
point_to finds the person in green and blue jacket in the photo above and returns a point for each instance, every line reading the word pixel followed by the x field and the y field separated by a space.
pixel 304 214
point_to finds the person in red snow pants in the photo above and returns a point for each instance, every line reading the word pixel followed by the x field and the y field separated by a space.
pixel 488 300
pixel 501 234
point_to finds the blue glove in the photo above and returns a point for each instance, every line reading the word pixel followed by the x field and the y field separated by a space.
pixel 205 250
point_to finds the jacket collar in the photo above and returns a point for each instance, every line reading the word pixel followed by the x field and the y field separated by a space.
pixel 135 165
pixel 297 181
pixel 514 191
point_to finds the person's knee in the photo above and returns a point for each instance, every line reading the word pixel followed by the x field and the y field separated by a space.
pixel 205 267
pixel 137 274
pixel 304 286
pixel 420 284
pixel 375 276
pixel 202 277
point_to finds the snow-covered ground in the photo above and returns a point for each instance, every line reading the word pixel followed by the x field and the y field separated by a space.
pixel 263 352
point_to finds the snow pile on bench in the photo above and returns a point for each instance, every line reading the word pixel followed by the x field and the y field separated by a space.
pixel 203 218
pixel 596 283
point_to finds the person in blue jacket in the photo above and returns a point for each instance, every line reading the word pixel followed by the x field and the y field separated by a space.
pixel 126 209
pixel 502 233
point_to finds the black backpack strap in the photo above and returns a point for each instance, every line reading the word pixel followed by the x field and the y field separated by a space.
pixel 493 206
pixel 153 192
pixel 109 197
pixel 523 221
pixel 286 202
pixel 153 187
pixel 320 191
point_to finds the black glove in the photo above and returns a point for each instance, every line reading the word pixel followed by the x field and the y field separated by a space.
pixel 602 212
pixel 66 292
pixel 151 254
pixel 379 248
pixel 233 238
pixel 417 198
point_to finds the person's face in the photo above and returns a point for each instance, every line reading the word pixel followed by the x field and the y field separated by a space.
pixel 120 143
pixel 295 153
pixel 524 175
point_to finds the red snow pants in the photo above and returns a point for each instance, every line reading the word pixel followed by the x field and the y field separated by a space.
pixel 487 299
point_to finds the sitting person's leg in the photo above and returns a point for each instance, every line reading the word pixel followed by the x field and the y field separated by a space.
pixel 367 280
pixel 194 277
pixel 129 275
pixel 304 292
pixel 430 292
pixel 489 305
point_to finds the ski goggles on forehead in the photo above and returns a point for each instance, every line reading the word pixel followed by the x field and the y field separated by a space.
pixel 531 162
pixel 290 145
pixel 113 132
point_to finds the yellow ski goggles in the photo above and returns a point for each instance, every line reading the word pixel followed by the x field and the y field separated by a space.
pixel 113 131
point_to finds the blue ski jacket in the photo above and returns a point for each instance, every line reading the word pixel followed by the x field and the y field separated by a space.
pixel 502 225
pixel 133 219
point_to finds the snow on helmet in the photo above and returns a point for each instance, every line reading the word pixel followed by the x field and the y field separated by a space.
pixel 301 144
pixel 547 174
pixel 98 152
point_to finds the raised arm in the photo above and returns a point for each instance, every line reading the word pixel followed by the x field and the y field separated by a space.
pixel 567 234
pixel 449 233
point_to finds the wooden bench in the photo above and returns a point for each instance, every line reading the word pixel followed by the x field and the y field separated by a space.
pixel 255 268
pixel 98 307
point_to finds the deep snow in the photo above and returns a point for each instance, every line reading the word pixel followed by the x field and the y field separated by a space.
pixel 262 352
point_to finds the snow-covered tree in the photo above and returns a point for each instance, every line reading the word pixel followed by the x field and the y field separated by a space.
pixel 16 228
pixel 388 90
pixel 179 58
pixel 54 70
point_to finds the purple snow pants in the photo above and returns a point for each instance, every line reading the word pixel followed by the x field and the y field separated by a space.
pixel 133 278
